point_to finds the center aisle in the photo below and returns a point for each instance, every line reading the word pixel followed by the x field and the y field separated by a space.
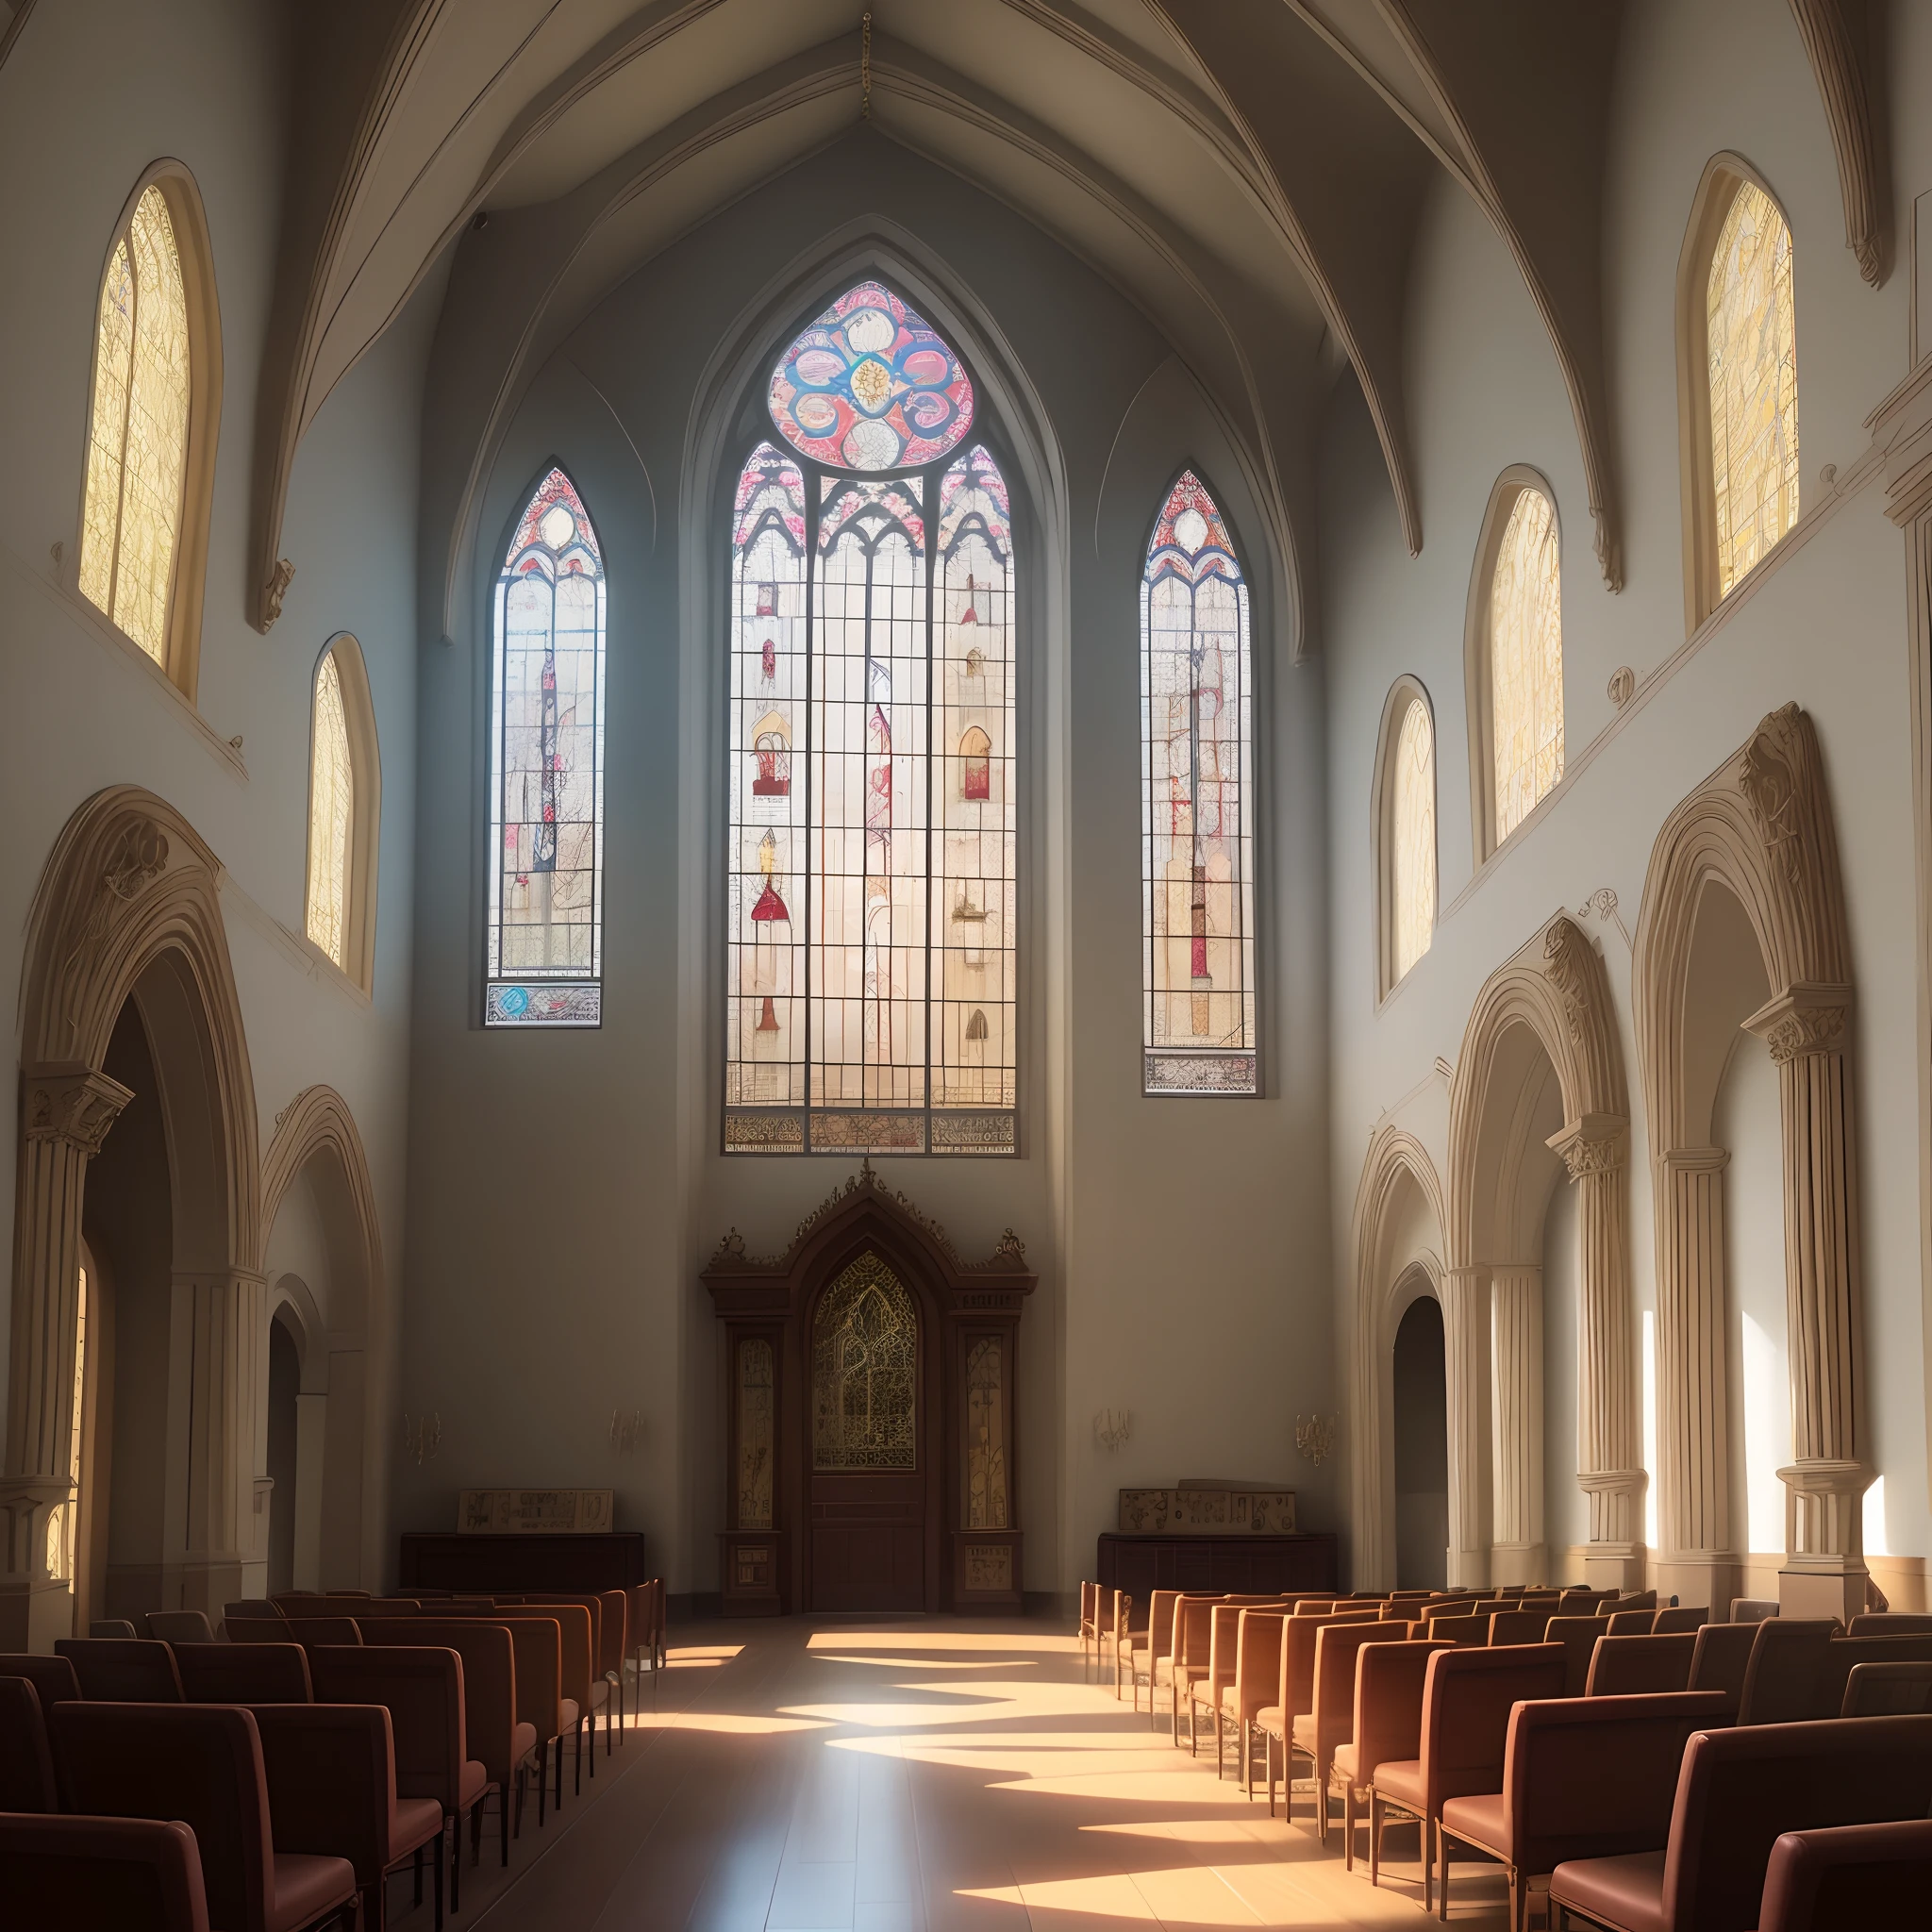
pixel 927 1776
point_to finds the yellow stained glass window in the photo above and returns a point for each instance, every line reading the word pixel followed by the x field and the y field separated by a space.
pixel 1414 842
pixel 137 436
pixel 331 803
pixel 1752 339
pixel 1526 660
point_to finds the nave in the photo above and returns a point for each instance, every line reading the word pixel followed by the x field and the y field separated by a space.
pixel 815 1775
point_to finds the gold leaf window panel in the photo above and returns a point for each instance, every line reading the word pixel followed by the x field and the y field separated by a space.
pixel 1751 337
pixel 138 433
pixel 331 802
pixel 1526 660
pixel 864 1365
pixel 755 1435
pixel 1415 836
pixel 986 1435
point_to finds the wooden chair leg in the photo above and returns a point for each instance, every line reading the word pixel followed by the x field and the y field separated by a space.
pixel 417 1868
pixel 1348 1825
pixel 1374 1838
pixel 1247 1762
pixel 1443 1877
pixel 503 1814
pixel 1428 1867
pixel 1320 1801
pixel 456 1862
pixel 437 1888
pixel 1268 1751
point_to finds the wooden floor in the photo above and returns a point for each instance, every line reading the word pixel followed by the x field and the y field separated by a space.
pixel 917 1776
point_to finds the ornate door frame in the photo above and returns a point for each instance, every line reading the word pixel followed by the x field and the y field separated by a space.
pixel 972 1558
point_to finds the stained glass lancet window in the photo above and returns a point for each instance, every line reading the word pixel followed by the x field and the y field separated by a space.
pixel 331 810
pixel 1525 660
pixel 138 430
pixel 544 943
pixel 870 976
pixel 1412 840
pixel 1197 838
pixel 1751 338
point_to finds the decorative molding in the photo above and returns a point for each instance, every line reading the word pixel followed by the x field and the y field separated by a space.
pixel 72 1103
pixel 273 591
pixel 1621 687
pixel 9 34
pixel 1768 778
pixel 1803 1020
pixel 1593 1144
pixel 1831 46
pixel 1567 958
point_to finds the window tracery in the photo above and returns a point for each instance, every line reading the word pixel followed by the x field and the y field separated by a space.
pixel 1525 660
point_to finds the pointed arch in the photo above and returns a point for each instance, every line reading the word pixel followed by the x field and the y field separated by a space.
pixel 544 933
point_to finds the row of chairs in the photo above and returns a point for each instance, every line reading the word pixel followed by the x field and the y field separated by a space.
pixel 1382 1722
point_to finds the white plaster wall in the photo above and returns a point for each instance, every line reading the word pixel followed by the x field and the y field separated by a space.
pixel 90 95
pixel 1825 627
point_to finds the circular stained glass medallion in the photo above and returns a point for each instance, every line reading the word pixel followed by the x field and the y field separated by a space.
pixel 871 385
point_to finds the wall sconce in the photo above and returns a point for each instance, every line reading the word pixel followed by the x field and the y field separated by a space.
pixel 1112 1428
pixel 1314 1436
pixel 626 1431
pixel 424 1438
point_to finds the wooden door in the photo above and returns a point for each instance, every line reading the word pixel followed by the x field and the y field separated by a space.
pixel 868 1472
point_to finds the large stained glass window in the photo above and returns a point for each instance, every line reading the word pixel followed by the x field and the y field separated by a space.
pixel 544 943
pixel 1413 844
pixel 1525 660
pixel 1197 836
pixel 138 430
pixel 1751 340
pixel 871 977
pixel 331 810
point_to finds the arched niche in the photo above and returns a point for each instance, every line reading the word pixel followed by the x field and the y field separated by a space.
pixel 1757 835
pixel 1538 1095
pixel 128 908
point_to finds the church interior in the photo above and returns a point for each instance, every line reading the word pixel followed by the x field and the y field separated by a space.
pixel 640 637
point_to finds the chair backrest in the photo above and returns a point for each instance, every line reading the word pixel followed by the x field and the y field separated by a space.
pixel 1465 1632
pixel 307 1603
pixel 1161 1622
pixel 107 1627
pixel 1594 1778
pixel 1338 1650
pixel 331 1775
pixel 1298 1635
pixel 1466 1699
pixel 1883 1690
pixel 1891 1623
pixel 1257 1662
pixel 26 1769
pixel 1640 1666
pixel 1743 1789
pixel 380 1606
pixel 1518 1627
pixel 123 1670
pixel 1224 1632
pixel 250 1607
pixel 179 1626
pixel 245 1673
pixel 52 1677
pixel 422 1688
pixel 1753 1610
pixel 1848 1874
pixel 595 1641
pixel 1782 1680
pixel 614 1645
pixel 490 1679
pixel 1667 1620
pixel 1192 1635
pixel 1844 1654
pixel 1634 1600
pixel 1721 1659
pixel 307 1631
pixel 366 1595
pixel 198 1763
pixel 137 1875
pixel 1388 1727
pixel 1635 1623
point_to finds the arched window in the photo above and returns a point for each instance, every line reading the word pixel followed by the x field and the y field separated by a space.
pixel 1516 659
pixel 1406 830
pixel 151 427
pixel 1197 752
pixel 871 978
pixel 544 943
pixel 344 812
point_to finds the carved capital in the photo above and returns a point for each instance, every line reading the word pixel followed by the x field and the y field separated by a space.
pixel 1592 1144
pixel 71 1102
pixel 1803 1020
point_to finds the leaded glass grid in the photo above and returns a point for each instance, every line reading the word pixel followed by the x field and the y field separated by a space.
pixel 1198 772
pixel 1526 653
pixel 1412 845
pixel 871 996
pixel 1751 337
pixel 332 807
pixel 546 792
pixel 864 1372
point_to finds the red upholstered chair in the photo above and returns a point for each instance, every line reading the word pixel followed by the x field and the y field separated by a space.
pixel 1891 1623
pixel 1519 1626
pixel 1886 1690
pixel 179 1626
pixel 1467 1695
pixel 52 1677
pixel 123 1670
pixel 1849 1875
pixel 200 1763
pixel 1329 1722
pixel 245 1673
pixel 1740 1791
pixel 1582 1778
pixel 592 1687
pixel 492 1736
pixel 101 1874
pixel 1640 1666
pixel 303 1630
pixel 1210 1689
pixel 1635 1623
pixel 1632 1600
pixel 1844 1654
pixel 1720 1660
pixel 26 1769
pixel 537 1643
pixel 1465 1632
pixel 1783 1680
pixel 613 1648
pixel 1670 1620
pixel 1387 1729
pixel 1297 1675
pixel 1190 1639
pixel 1257 1681
pixel 422 1688
pixel 1148 1642
pixel 1578 1636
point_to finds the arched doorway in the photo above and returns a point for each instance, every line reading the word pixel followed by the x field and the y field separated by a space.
pixel 1421 1449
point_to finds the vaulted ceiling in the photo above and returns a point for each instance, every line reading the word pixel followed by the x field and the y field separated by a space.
pixel 1248 172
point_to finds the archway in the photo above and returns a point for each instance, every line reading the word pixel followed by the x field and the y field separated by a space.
pixel 1420 1377
pixel 129 909
pixel 1749 862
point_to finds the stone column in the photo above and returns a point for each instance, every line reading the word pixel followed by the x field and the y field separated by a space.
pixel 1608 1463
pixel 1825 1569
pixel 1516 1415
pixel 66 1111
pixel 1466 1364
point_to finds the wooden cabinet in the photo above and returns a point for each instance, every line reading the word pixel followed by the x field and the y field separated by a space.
pixel 1244 1565
pixel 611 1561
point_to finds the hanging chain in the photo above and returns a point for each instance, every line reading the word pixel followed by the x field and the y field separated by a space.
pixel 865 66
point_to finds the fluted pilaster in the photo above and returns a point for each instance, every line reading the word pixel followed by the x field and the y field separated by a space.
pixel 1515 1424
pixel 1466 1363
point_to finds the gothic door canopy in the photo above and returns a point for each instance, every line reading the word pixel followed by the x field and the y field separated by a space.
pixel 870 1453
